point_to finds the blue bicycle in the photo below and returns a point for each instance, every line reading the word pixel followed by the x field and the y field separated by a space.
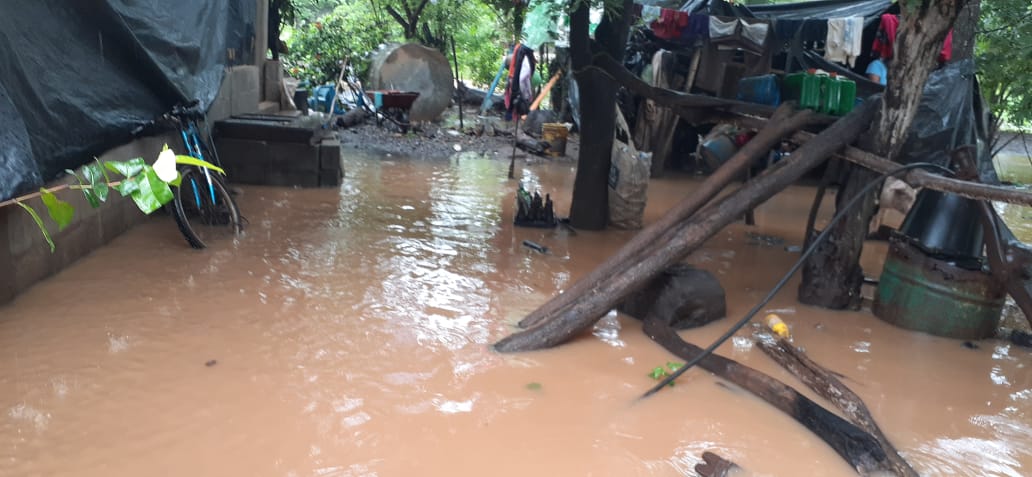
pixel 204 210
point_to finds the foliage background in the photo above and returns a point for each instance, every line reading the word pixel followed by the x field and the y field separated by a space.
pixel 1004 54
pixel 324 32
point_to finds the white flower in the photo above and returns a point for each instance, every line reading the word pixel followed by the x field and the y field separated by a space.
pixel 165 166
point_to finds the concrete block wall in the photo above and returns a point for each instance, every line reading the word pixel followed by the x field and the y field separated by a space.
pixel 240 93
pixel 25 256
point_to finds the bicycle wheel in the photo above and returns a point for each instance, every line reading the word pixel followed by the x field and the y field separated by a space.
pixel 205 214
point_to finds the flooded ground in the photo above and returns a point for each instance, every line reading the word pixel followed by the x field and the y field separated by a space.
pixel 348 333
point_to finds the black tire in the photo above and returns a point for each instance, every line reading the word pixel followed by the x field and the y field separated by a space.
pixel 204 223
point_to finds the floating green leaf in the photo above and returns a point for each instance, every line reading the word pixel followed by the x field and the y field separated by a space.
pixel 39 223
pixel 59 210
pixel 97 178
pixel 126 168
pixel 534 386
pixel 673 367
pixel 658 373
pixel 193 161
pixel 151 192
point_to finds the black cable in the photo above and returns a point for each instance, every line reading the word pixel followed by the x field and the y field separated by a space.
pixel 784 280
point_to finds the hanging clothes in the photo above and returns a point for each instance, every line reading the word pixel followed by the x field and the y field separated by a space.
pixel 650 13
pixel 886 36
pixel 844 40
pixel 670 24
pixel 887 30
pixel 854 39
pixel 739 33
pixel 697 29
pixel 518 91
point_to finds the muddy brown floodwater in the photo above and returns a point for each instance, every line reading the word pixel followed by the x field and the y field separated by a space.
pixel 347 334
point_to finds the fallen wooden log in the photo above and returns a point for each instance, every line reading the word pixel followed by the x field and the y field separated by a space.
pixel 861 450
pixel 828 386
pixel 475 97
pixel 532 145
pixel 785 121
pixel 589 305
pixel 352 118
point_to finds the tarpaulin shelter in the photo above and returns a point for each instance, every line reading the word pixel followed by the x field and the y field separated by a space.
pixel 76 77
pixel 950 114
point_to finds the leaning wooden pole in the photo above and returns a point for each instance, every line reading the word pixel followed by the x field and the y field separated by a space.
pixel 861 450
pixel 784 122
pixel 589 306
pixel 828 386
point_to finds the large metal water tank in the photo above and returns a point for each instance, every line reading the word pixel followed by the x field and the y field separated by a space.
pixel 414 67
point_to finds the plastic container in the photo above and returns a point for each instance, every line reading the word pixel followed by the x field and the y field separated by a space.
pixel 920 292
pixel 774 323
pixel 830 96
pixel 946 226
pixel 760 89
pixel 555 135
pixel 804 88
pixel 847 98
pixel 717 150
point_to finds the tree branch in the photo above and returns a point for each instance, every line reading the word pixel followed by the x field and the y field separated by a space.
pixel 397 17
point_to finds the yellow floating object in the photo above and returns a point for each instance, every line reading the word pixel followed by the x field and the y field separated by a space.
pixel 775 324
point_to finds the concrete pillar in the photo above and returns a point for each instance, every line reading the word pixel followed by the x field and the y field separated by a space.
pixel 261 33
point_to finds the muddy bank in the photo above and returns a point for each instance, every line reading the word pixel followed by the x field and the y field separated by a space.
pixel 488 135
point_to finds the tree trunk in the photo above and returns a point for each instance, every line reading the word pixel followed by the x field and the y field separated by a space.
pixel 605 295
pixel 832 276
pixel 964 31
pixel 589 207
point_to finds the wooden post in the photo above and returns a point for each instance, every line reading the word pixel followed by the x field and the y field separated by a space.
pixel 458 79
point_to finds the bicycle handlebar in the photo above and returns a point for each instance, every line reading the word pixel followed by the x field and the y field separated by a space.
pixel 188 110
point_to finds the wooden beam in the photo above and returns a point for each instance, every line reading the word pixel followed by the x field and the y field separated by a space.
pixel 919 178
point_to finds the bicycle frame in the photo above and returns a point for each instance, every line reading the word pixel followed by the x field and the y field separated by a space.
pixel 191 140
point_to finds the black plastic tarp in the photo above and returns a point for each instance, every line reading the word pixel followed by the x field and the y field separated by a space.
pixel 77 77
pixel 871 10
pixel 947 118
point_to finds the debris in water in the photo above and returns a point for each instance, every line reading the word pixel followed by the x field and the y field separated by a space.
pixel 741 343
pixel 760 239
pixel 970 345
pixel 534 386
pixel 210 363
pixel 535 246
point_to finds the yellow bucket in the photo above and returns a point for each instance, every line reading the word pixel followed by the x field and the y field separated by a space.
pixel 555 135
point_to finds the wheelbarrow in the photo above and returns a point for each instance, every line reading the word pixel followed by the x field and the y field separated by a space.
pixel 393 105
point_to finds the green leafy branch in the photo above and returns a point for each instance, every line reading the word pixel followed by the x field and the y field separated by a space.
pixel 150 187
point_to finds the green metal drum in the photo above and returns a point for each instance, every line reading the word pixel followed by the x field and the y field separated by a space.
pixel 922 293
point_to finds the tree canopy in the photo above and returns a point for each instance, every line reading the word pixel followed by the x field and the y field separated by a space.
pixel 1004 55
